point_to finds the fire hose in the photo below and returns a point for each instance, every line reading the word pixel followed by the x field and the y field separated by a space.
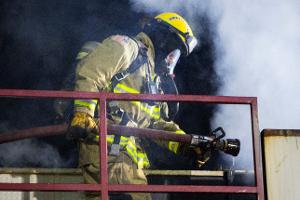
pixel 214 141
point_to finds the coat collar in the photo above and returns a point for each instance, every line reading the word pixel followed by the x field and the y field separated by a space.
pixel 148 43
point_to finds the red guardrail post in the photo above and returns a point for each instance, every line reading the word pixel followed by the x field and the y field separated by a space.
pixel 257 150
pixel 103 150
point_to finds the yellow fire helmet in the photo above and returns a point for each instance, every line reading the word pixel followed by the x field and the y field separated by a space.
pixel 177 24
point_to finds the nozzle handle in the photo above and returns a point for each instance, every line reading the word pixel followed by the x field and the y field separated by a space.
pixel 216 131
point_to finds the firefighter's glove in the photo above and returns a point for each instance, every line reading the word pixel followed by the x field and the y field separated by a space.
pixel 202 147
pixel 81 125
pixel 202 156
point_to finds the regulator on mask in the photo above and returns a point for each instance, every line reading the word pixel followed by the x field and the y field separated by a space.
pixel 167 83
pixel 171 61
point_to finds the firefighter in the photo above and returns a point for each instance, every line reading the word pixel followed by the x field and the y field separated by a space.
pixel 122 64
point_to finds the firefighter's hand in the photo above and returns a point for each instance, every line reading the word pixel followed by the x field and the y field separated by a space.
pixel 81 124
pixel 202 156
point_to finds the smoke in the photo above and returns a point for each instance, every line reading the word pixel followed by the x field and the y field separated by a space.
pixel 259 45
pixel 31 153
pixel 257 42
pixel 39 42
pixel 258 48
pixel 190 9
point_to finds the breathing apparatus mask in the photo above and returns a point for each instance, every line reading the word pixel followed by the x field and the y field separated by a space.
pixel 165 70
pixel 164 81
pixel 167 65
pixel 171 61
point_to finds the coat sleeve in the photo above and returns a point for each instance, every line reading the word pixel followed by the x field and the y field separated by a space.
pixel 171 126
pixel 94 71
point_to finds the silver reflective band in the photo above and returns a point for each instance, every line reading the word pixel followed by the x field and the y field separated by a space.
pixel 191 42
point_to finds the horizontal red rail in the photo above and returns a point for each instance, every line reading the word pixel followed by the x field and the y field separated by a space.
pixel 181 188
pixel 126 188
pixel 113 96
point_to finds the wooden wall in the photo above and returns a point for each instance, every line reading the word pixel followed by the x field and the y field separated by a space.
pixel 282 164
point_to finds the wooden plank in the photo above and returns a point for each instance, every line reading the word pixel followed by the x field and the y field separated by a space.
pixel 71 171
pixel 281 132
pixel 77 171
pixel 32 175
pixel 184 173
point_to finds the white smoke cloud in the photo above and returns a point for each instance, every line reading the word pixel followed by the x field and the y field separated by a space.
pixel 261 44
pixel 258 44
pixel 153 6
pixel 30 152
pixel 190 9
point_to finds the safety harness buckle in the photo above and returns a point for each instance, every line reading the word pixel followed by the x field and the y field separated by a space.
pixel 120 76
pixel 114 149
pixel 125 121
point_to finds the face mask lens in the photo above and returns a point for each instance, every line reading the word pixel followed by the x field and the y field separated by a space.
pixel 171 60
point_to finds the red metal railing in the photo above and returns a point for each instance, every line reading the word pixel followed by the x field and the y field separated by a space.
pixel 103 187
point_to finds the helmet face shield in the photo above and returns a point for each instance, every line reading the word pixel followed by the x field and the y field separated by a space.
pixel 191 43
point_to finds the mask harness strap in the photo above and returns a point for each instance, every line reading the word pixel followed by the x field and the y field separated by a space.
pixel 168 84
pixel 141 59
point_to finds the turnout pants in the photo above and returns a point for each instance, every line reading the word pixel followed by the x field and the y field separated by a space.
pixel 121 170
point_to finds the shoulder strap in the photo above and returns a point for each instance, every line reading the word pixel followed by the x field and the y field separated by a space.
pixel 140 60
